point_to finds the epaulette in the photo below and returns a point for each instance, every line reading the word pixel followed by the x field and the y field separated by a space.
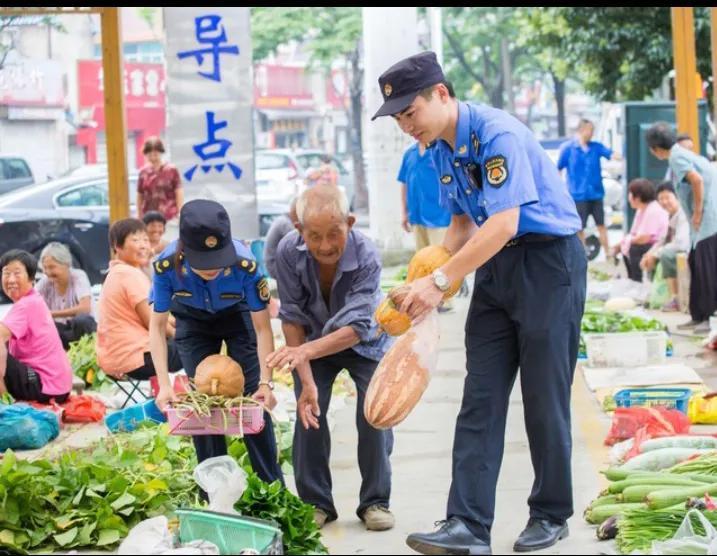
pixel 247 265
pixel 163 265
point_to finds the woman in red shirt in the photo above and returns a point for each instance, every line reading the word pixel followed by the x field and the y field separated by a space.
pixel 159 186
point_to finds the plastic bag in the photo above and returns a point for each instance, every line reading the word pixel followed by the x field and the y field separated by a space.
pixel 686 540
pixel 223 481
pixel 659 293
pixel 83 409
pixel 403 375
pixel 25 428
pixel 152 536
pixel 656 422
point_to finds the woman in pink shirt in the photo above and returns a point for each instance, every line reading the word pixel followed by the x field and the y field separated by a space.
pixel 33 366
pixel 649 226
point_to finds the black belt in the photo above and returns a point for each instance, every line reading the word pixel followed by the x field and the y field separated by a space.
pixel 531 238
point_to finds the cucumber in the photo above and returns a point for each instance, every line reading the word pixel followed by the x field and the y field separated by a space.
pixel 667 497
pixel 597 515
pixel 656 479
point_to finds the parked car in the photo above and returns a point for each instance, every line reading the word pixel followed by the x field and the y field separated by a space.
pixel 73 211
pixel 14 173
pixel 281 173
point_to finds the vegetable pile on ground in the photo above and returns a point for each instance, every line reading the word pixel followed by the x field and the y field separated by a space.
pixel 598 322
pixel 83 359
pixel 648 495
pixel 92 497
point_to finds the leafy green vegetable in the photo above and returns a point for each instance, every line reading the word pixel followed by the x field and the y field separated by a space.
pixel 295 518
pixel 83 358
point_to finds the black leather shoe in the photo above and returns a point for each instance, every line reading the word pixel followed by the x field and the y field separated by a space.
pixel 540 533
pixel 453 537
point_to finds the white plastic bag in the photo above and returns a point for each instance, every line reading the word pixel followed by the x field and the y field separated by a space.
pixel 223 481
pixel 150 536
pixel 686 541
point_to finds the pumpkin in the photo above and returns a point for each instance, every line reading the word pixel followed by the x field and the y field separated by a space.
pixel 389 318
pixel 219 375
pixel 397 385
pixel 428 259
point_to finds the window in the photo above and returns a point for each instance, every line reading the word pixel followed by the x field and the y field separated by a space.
pixel 271 161
pixel 88 196
pixel 15 168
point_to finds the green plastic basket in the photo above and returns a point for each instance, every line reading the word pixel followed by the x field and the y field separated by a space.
pixel 231 533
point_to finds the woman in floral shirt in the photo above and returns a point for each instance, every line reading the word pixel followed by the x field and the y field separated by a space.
pixel 159 186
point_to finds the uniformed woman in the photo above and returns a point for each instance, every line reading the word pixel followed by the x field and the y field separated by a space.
pixel 211 284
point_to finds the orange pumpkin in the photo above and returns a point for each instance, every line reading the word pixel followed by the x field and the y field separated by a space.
pixel 219 375
pixel 428 259
pixel 390 319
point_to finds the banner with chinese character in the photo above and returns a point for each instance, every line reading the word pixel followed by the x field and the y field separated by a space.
pixel 209 102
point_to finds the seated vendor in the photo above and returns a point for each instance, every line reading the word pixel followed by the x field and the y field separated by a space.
pixel 33 365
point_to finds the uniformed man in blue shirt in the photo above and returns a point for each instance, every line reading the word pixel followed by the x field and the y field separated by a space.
pixel 515 223
pixel 213 288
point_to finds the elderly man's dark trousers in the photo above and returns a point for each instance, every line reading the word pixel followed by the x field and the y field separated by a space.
pixel 312 448
pixel 527 305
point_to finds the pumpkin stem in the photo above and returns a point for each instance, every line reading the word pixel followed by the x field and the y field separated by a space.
pixel 215 383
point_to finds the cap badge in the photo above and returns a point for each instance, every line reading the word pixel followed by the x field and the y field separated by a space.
pixel 211 242
pixel 387 89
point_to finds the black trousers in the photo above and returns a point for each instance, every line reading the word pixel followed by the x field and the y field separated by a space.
pixel 147 371
pixel 25 384
pixel 632 261
pixel 312 448
pixel 199 338
pixel 703 279
pixel 75 328
pixel 526 310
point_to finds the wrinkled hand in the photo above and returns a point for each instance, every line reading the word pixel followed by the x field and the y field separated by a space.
pixel 307 407
pixel 697 220
pixel 288 358
pixel 265 396
pixel 164 397
pixel 406 224
pixel 422 298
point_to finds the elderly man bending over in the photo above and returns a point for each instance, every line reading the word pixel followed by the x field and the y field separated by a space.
pixel 328 278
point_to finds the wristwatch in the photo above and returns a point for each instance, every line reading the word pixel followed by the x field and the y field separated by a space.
pixel 440 280
pixel 269 383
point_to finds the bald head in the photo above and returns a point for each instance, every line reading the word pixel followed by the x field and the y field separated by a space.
pixel 324 222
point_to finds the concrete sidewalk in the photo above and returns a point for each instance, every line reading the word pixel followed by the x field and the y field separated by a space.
pixel 422 463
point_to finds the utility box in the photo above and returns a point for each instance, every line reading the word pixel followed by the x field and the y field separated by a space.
pixel 638 117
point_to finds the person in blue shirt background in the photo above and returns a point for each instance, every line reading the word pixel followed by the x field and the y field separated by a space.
pixel 515 223
pixel 216 293
pixel 422 210
pixel 580 157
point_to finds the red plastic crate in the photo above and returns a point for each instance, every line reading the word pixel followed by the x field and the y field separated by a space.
pixel 249 419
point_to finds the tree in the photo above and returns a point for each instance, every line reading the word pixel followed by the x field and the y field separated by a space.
pixel 625 53
pixel 477 63
pixel 331 34
pixel 544 32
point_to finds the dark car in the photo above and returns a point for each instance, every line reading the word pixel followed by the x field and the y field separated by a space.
pixel 73 211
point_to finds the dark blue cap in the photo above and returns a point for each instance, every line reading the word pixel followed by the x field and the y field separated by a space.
pixel 206 235
pixel 401 83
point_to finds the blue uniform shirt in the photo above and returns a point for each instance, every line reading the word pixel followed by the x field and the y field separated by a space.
pixel 355 294
pixel 241 283
pixel 497 164
pixel 422 195
pixel 584 171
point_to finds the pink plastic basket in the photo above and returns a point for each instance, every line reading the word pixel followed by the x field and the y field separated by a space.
pixel 232 422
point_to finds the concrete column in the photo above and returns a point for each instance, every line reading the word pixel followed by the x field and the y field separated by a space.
pixel 389 34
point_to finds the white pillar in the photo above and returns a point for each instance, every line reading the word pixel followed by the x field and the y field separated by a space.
pixel 389 34
pixel 435 21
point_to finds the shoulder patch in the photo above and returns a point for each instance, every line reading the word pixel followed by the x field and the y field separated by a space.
pixel 262 288
pixel 496 171
pixel 163 265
